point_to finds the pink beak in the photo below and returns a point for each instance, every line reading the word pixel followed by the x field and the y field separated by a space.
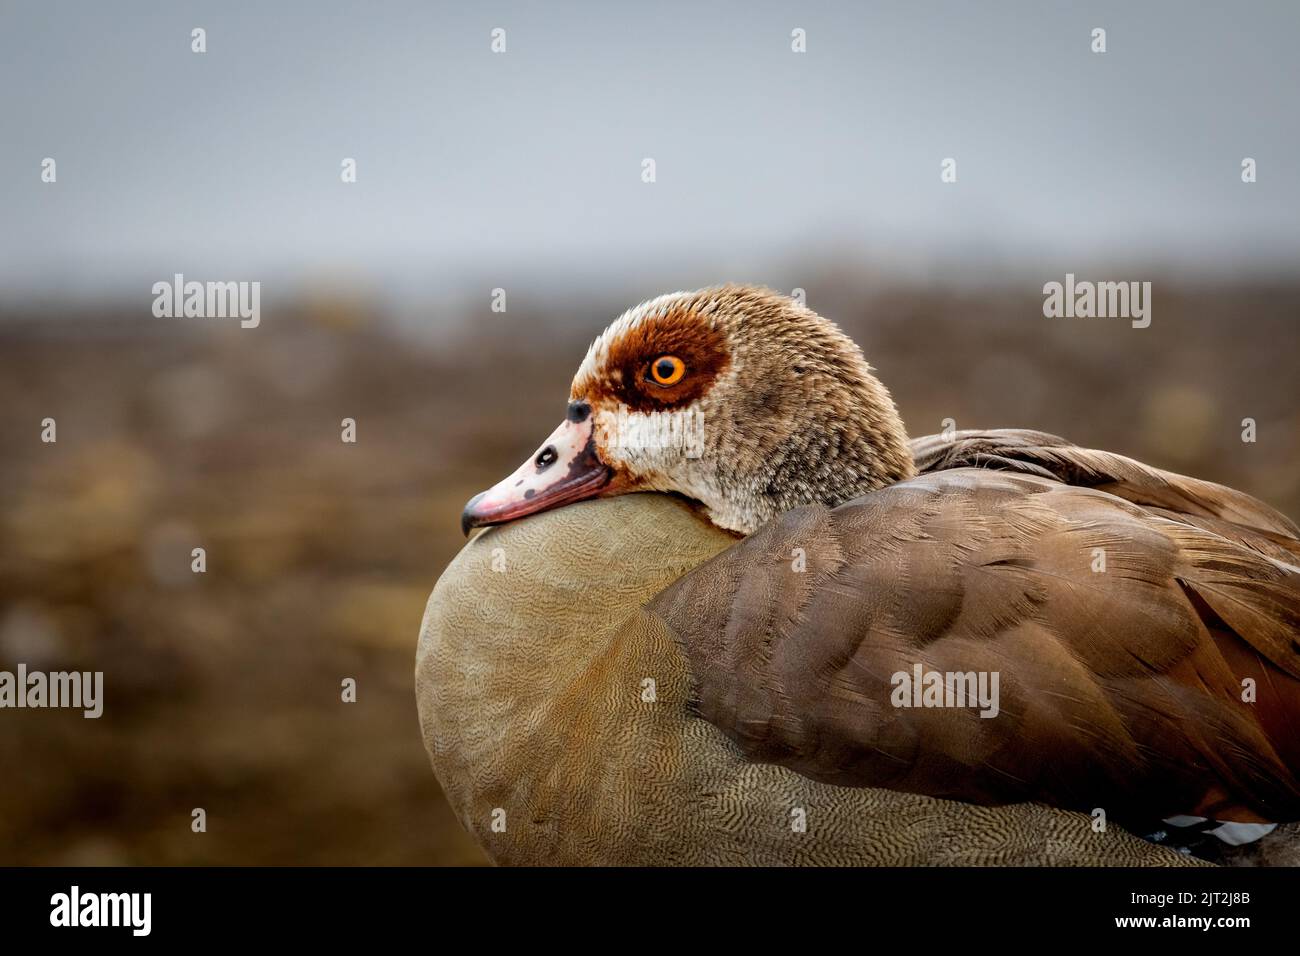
pixel 565 469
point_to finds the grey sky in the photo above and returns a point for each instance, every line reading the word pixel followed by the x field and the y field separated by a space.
pixel 474 165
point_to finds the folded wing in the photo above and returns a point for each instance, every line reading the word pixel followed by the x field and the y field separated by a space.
pixel 1142 627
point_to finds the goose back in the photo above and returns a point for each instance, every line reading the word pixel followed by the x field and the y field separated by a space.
pixel 1125 611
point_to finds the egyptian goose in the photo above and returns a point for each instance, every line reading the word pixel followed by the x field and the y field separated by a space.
pixel 733 672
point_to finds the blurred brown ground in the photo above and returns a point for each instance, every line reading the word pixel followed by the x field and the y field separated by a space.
pixel 222 689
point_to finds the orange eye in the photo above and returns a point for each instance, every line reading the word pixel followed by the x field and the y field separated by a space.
pixel 667 370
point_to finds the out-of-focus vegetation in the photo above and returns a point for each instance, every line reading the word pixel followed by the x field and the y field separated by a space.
pixel 222 690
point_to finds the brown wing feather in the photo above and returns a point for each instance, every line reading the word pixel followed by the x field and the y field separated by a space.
pixel 1031 452
pixel 1120 689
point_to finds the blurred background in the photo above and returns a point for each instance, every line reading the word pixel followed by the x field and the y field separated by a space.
pixel 522 171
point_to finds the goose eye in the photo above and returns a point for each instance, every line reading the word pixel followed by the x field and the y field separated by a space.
pixel 667 370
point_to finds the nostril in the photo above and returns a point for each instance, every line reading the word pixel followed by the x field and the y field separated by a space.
pixel 578 412
pixel 546 458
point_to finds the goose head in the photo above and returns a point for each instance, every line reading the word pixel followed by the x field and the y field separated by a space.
pixel 737 398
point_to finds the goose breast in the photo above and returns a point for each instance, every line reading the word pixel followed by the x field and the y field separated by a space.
pixel 531 679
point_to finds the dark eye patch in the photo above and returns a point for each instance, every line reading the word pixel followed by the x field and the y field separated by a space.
pixel 628 375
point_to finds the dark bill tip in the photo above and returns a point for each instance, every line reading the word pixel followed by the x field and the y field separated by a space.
pixel 468 519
